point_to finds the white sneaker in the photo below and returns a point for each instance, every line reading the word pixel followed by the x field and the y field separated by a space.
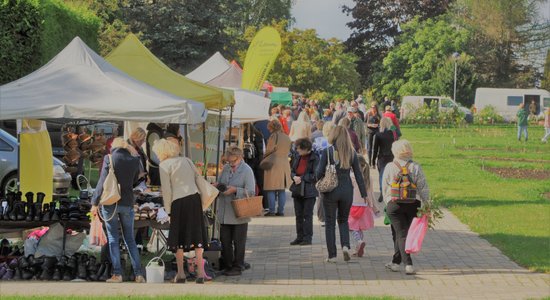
pixel 392 267
pixel 409 270
pixel 345 251
pixel 331 260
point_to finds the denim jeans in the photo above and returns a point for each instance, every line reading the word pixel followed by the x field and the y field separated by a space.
pixel 124 217
pixel 303 209
pixel 524 130
pixel 278 196
pixel 337 205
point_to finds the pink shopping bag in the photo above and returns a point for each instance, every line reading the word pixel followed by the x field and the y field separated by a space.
pixel 97 235
pixel 416 234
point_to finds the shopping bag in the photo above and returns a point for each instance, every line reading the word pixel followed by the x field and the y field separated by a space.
pixel 416 234
pixel 152 245
pixel 97 235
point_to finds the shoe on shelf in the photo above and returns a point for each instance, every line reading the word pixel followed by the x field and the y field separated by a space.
pixel 345 251
pixel 409 270
pixel 296 242
pixel 114 279
pixel 305 243
pixel 140 279
pixel 331 260
pixel 361 249
pixel 392 267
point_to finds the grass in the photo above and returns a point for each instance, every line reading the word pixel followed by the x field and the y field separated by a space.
pixel 195 297
pixel 512 214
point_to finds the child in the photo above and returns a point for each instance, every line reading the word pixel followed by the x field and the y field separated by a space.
pixel 361 215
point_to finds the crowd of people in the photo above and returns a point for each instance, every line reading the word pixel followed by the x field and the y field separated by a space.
pixel 304 143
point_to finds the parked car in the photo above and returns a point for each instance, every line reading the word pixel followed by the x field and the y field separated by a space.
pixel 8 168
pixel 443 104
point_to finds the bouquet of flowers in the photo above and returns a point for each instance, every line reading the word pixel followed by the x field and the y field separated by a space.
pixel 432 210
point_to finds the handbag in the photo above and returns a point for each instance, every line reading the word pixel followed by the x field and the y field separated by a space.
pixel 248 207
pixel 207 191
pixel 330 181
pixel 298 190
pixel 111 188
pixel 269 160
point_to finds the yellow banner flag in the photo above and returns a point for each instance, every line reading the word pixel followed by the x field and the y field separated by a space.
pixel 260 58
pixel 36 159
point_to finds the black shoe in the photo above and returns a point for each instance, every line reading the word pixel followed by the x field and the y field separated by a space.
pixel 46 212
pixel 30 206
pixel 245 266
pixel 71 263
pixel 37 211
pixel 296 242
pixel 232 272
pixel 27 274
pixel 280 214
pixel 24 262
pixel 107 272
pixel 18 274
pixel 82 270
pixel 57 275
pixel 269 214
pixel 21 214
pixel 305 243
pixel 67 275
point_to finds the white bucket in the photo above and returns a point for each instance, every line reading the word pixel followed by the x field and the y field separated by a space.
pixel 155 272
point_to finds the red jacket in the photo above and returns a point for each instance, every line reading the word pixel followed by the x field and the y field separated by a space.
pixel 393 118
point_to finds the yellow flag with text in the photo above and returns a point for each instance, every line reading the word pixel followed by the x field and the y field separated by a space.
pixel 36 159
pixel 260 58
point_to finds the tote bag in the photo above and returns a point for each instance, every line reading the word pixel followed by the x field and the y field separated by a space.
pixel 207 191
pixel 111 188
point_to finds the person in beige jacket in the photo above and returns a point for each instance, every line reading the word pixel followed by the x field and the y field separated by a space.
pixel 301 128
pixel 277 179
pixel 182 201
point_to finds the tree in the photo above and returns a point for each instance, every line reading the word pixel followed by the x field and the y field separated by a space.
pixel 422 63
pixel 183 34
pixel 376 25
pixel 310 64
pixel 506 39
pixel 545 82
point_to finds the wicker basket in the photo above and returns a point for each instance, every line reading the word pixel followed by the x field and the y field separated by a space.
pixel 248 207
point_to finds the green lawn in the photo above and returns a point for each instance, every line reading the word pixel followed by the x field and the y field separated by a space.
pixel 512 214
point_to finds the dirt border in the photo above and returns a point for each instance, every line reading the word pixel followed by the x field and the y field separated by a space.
pixel 517 173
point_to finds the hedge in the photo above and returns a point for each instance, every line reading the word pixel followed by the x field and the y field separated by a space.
pixel 34 31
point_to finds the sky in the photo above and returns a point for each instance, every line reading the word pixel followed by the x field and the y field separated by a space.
pixel 327 18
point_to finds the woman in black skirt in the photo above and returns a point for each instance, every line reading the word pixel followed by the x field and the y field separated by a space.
pixel 183 202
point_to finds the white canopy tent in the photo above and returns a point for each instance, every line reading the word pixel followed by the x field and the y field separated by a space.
pixel 79 84
pixel 217 71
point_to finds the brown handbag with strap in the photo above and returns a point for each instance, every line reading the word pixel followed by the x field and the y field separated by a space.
pixel 269 160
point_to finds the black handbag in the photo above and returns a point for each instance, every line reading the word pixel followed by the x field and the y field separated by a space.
pixel 298 190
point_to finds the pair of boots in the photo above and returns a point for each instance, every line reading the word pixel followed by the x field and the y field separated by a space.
pixel 13 208
pixel 16 207
pixel 34 210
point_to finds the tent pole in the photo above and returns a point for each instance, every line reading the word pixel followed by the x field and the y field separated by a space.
pixel 186 140
pixel 215 226
pixel 204 149
pixel 231 124
pixel 18 156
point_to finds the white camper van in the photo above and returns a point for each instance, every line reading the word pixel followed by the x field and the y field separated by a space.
pixel 444 103
pixel 506 101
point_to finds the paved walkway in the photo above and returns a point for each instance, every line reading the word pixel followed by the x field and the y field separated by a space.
pixel 455 263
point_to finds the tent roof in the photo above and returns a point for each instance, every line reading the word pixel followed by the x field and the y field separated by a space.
pixel 249 107
pixel 281 97
pixel 231 78
pixel 132 57
pixel 210 69
pixel 78 84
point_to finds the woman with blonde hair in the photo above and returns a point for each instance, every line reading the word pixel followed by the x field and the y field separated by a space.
pixel 401 212
pixel 301 128
pixel 121 214
pixel 337 203
pixel 183 202
pixel 381 151
pixel 277 178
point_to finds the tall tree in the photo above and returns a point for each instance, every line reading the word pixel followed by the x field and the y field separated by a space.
pixel 545 82
pixel 181 33
pixel 422 62
pixel 505 36
pixel 376 24
pixel 310 64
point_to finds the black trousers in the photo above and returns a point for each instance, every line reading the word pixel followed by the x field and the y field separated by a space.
pixel 303 209
pixel 370 136
pixel 233 238
pixel 337 205
pixel 401 216
pixel 396 259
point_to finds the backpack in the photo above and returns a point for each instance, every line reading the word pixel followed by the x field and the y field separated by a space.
pixel 403 189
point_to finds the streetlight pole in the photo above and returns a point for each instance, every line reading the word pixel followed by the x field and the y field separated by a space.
pixel 456 55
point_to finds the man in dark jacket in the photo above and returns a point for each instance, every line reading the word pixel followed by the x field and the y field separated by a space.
pixel 303 189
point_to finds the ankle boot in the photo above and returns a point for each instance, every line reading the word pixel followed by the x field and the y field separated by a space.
pixel 36 262
pixel 46 212
pixel 82 271
pixel 13 211
pixel 62 262
pixel 40 197
pixel 48 267
pixel 91 267
pixel 30 206
pixel 37 211
pixel 24 262
pixel 106 273
pixel 67 274
pixel 21 214
pixel 18 274
pixel 71 263
pixel 28 273
pixel 100 270
pixel 57 275
pixel 54 214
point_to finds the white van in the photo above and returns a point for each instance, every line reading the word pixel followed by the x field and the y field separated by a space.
pixel 443 103
pixel 506 101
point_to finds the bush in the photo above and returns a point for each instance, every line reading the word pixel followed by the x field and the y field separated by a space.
pixel 34 31
pixel 431 115
pixel 20 25
pixel 488 115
